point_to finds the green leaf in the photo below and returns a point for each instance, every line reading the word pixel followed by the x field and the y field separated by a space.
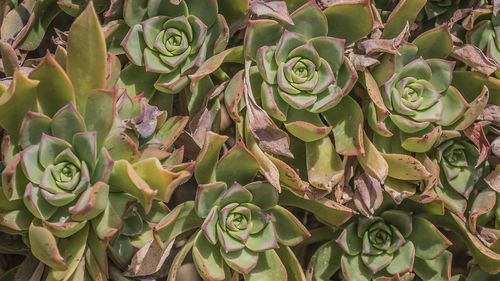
pixel 110 220
pixel 237 165
pixel 36 203
pixel 269 268
pixel 181 219
pixel 471 84
pixel 91 202
pixel 291 263
pixel 124 178
pixel 349 241
pixel 346 118
pixel 33 127
pixel 205 171
pixel 305 125
pixel 327 211
pixel 9 59
pixel 208 259
pixel 55 89
pixel 67 122
pixel 350 20
pixel 243 261
pixel 405 167
pixel 72 249
pixel 289 229
pixel 86 64
pixel 403 259
pixel 353 269
pixel 207 196
pixel 264 194
pixel 135 11
pixel 475 108
pixel 15 102
pixel 261 33
pixel 42 15
pixel 420 142
pixel 100 113
pixel 372 161
pixel 435 269
pixel 309 21
pixel 434 43
pixel 324 166
pixel 44 247
pixel 135 80
pixel 429 242
pixel 404 13
pixel 325 262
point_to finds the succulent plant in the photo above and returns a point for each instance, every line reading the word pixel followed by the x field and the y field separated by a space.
pixel 393 243
pixel 458 165
pixel 419 99
pixel 238 224
pixel 249 139
pixel 300 74
pixel 173 39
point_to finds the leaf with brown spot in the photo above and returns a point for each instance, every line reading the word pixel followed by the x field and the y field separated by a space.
pixel 405 167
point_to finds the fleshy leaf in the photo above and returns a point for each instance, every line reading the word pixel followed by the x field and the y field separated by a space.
pixel 125 179
pixel 324 166
pixel 206 161
pixel 289 229
pixel 15 102
pixel 350 20
pixel 44 247
pixel 346 118
pixel 237 165
pixel 55 90
pixel 405 12
pixel 86 56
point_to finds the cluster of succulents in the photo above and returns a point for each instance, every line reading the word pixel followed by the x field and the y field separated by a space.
pixel 249 140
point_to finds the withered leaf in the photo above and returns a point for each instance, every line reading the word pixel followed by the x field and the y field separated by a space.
pixel 145 123
pixel 476 134
pixel 493 179
pixel 367 194
pixel 473 56
pixel 269 137
pixel 274 9
pixel 149 259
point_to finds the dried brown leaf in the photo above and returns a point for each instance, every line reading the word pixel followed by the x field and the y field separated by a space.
pixel 477 136
pixel 269 137
pixel 474 57
pixel 493 179
pixel 273 9
pixel 367 194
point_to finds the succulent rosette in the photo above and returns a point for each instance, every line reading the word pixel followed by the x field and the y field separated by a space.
pixel 173 40
pixel 419 100
pixel 61 178
pixel 238 224
pixel 458 161
pixel 460 173
pixel 301 74
pixel 393 243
